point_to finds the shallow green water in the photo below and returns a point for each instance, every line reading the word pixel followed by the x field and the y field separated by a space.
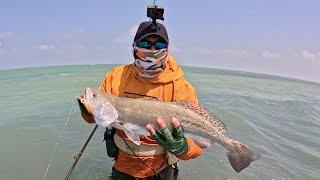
pixel 278 117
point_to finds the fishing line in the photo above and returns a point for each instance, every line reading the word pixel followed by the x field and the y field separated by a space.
pixel 62 133
pixel 59 140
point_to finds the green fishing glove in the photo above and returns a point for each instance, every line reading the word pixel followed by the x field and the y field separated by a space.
pixel 174 142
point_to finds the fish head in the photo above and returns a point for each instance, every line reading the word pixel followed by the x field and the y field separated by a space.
pixel 90 94
pixel 102 110
pixel 93 95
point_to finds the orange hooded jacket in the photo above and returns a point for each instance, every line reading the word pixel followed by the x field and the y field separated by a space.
pixel 170 85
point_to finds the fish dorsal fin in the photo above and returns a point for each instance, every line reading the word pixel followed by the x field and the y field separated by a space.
pixel 204 113
pixel 148 98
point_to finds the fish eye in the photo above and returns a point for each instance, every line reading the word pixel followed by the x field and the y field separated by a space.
pixel 94 94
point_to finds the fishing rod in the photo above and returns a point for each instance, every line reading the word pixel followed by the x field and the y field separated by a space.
pixel 77 158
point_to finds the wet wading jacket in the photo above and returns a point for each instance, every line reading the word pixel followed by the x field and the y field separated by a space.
pixel 170 85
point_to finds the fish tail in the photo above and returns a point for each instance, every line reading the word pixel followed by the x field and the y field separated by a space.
pixel 242 156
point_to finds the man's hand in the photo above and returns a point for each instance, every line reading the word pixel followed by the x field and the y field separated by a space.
pixel 86 110
pixel 174 142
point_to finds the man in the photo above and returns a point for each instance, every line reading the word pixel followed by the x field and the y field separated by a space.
pixel 153 75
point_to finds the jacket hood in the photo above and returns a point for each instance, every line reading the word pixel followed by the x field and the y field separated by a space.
pixel 172 72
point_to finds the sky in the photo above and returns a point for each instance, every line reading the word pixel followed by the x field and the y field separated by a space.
pixel 263 36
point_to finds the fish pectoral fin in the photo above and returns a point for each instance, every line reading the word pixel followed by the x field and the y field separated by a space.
pixel 133 137
pixel 104 114
pixel 202 144
pixel 129 133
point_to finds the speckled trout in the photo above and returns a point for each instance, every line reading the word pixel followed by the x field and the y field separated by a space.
pixel 132 115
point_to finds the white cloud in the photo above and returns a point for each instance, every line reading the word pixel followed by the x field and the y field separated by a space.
pixel 75 47
pixel 175 46
pixel 307 55
pixel 133 30
pixel 174 49
pixel 127 38
pixel 203 50
pixel 4 35
pixel 45 47
pixel 270 55
pixel 222 52
pixel 2 50
pixel 73 33
pixel 236 52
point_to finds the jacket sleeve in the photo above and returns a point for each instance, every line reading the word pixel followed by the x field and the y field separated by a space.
pixel 183 90
pixel 191 94
pixel 106 83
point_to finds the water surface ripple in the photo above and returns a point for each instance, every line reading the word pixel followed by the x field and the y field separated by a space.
pixel 278 117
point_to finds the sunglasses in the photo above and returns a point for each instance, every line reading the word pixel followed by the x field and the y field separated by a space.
pixel 147 44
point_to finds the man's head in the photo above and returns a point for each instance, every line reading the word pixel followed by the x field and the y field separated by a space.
pixel 150 49
pixel 147 29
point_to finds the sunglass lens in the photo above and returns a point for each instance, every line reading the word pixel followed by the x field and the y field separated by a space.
pixel 160 45
pixel 144 44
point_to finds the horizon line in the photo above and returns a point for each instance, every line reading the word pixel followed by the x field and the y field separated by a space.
pixel 234 70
